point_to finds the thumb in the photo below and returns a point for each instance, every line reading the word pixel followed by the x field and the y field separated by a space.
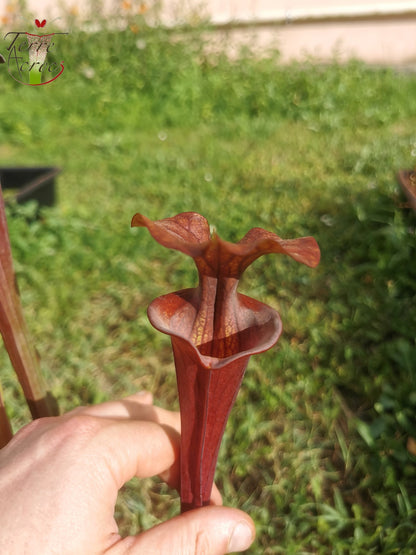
pixel 208 531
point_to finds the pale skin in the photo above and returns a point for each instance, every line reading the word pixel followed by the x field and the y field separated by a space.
pixel 59 480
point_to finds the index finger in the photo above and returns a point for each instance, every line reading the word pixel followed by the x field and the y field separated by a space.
pixel 138 406
pixel 140 449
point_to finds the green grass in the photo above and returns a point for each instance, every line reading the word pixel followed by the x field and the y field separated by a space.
pixel 315 449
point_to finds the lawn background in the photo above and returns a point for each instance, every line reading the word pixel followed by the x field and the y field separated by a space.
pixel 320 447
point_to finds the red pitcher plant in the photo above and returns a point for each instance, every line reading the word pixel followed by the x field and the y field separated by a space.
pixel 214 330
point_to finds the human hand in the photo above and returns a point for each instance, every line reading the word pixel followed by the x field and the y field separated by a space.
pixel 59 479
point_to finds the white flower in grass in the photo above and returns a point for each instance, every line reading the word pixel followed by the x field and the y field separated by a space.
pixel 140 44
pixel 88 72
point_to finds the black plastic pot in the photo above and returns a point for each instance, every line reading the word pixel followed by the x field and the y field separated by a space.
pixel 30 184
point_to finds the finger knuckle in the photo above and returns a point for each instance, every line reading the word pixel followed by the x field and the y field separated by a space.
pixel 80 425
pixel 75 431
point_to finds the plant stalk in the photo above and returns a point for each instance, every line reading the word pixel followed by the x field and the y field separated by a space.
pixel 15 334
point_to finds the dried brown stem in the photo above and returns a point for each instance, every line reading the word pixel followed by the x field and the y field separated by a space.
pixel 15 334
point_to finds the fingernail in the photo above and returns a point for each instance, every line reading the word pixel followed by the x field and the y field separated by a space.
pixel 241 538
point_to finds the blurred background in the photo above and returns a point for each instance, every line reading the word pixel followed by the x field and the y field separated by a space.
pixel 373 31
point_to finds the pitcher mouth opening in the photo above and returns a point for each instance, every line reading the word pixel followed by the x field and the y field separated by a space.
pixel 246 340
pixel 261 327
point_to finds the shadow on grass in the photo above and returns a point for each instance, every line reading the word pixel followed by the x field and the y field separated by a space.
pixel 369 286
